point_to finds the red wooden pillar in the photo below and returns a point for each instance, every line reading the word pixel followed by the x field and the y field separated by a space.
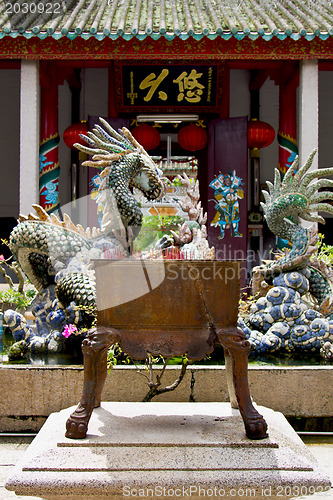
pixel 288 150
pixel 287 116
pixel 49 169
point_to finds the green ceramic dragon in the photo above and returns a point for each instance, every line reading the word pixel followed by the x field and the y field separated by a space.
pixel 297 196
pixel 283 317
pixel 56 255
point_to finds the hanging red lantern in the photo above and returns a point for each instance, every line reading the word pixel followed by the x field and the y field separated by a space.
pixel 259 134
pixel 192 137
pixel 147 136
pixel 72 134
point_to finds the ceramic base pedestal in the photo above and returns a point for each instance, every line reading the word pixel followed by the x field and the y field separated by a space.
pixel 167 450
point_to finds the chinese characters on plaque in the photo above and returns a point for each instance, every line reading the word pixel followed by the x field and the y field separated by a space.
pixel 169 85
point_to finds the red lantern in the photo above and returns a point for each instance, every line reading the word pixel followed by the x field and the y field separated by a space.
pixel 259 134
pixel 147 136
pixel 192 137
pixel 72 134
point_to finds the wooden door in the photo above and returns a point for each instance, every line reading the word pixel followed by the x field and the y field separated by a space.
pixel 227 187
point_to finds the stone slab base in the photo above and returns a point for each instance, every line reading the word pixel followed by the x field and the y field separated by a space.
pixel 167 450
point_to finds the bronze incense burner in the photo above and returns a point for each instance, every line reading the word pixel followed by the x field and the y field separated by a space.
pixel 168 308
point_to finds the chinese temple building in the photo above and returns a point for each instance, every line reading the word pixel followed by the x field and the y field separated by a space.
pixel 227 90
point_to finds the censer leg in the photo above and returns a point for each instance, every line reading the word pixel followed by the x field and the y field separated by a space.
pixel 237 350
pixel 230 378
pixel 94 348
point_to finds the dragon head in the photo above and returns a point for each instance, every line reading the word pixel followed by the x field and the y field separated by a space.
pixel 124 165
pixel 301 194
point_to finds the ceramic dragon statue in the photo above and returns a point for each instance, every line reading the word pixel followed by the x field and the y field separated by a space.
pixel 56 254
pixel 295 309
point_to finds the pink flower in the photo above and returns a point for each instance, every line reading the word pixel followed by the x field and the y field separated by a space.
pixel 2 258
pixel 68 330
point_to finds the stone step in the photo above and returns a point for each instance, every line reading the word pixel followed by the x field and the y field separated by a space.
pixel 181 450
pixel 127 458
pixel 135 424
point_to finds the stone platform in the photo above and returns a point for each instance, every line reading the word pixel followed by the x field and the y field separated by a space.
pixel 167 450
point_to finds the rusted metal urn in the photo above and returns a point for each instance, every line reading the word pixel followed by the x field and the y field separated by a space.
pixel 168 308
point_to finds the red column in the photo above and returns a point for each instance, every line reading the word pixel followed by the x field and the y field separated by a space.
pixel 49 170
pixel 288 116
pixel 288 150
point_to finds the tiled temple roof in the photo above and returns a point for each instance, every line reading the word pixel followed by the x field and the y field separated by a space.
pixel 167 18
